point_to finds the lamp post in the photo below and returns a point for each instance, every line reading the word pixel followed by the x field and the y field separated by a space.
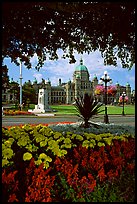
pixel 105 78
pixel 123 98
pixel 20 85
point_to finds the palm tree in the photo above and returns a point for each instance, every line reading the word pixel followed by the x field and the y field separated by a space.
pixel 87 108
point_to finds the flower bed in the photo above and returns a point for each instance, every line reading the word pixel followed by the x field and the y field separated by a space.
pixel 16 112
pixel 41 164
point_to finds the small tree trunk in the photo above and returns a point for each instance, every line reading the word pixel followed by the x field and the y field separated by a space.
pixel 86 124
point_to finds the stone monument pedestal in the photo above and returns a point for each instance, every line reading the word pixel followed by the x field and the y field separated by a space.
pixel 42 106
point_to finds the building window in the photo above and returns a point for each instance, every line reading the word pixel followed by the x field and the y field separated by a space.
pixel 11 97
pixel 4 97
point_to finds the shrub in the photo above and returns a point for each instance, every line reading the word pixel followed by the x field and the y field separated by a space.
pixel 87 108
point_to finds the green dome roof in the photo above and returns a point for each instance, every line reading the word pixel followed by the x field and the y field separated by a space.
pixel 81 67
pixel 95 77
pixel 127 84
pixel 117 83
pixel 35 80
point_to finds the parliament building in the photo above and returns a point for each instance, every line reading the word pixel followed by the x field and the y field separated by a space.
pixel 65 93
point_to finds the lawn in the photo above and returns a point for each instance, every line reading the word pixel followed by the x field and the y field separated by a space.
pixel 69 109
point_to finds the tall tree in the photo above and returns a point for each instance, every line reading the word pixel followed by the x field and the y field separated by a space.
pixel 14 88
pixel 29 93
pixel 45 27
pixel 5 77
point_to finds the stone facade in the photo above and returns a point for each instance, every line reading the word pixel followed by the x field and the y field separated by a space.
pixel 65 93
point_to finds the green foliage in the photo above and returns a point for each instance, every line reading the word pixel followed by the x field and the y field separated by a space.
pixel 29 93
pixel 86 143
pixel 27 156
pixel 105 193
pixel 112 34
pixel 43 143
pixel 45 159
pixel 100 144
pixel 31 147
pixel 7 154
pixel 27 128
pixel 23 140
pixel 109 140
pixel 79 137
pixel 87 108
pixel 64 187
pixel 5 77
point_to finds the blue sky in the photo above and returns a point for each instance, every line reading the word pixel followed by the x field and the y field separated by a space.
pixel 62 69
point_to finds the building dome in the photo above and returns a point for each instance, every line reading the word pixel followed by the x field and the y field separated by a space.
pixel 127 84
pixel 81 67
pixel 35 80
pixel 95 76
pixel 117 84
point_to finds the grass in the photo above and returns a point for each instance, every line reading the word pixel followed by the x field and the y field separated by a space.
pixel 71 110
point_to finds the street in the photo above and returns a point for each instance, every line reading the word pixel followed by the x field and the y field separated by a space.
pixel 18 120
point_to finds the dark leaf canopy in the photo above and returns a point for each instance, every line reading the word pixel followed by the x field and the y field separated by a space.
pixel 45 27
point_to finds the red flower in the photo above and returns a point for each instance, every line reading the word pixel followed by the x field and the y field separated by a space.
pixel 131 167
pixel 101 174
pixel 13 198
pixel 112 90
pixel 111 174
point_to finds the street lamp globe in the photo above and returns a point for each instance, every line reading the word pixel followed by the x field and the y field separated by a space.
pixel 105 78
pixel 111 81
pixel 105 72
pixel 123 94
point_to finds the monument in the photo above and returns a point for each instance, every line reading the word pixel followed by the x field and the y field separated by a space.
pixel 42 106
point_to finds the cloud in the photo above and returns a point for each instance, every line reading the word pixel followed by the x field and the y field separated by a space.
pixel 55 69
pixel 34 60
pixel 38 76
pixel 62 69
pixel 131 79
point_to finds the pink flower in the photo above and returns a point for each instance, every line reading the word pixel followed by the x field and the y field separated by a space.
pixel 121 99
pixel 99 90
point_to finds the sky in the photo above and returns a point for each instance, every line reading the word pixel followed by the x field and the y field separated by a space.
pixel 61 69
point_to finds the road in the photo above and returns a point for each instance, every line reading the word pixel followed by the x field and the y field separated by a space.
pixel 15 120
